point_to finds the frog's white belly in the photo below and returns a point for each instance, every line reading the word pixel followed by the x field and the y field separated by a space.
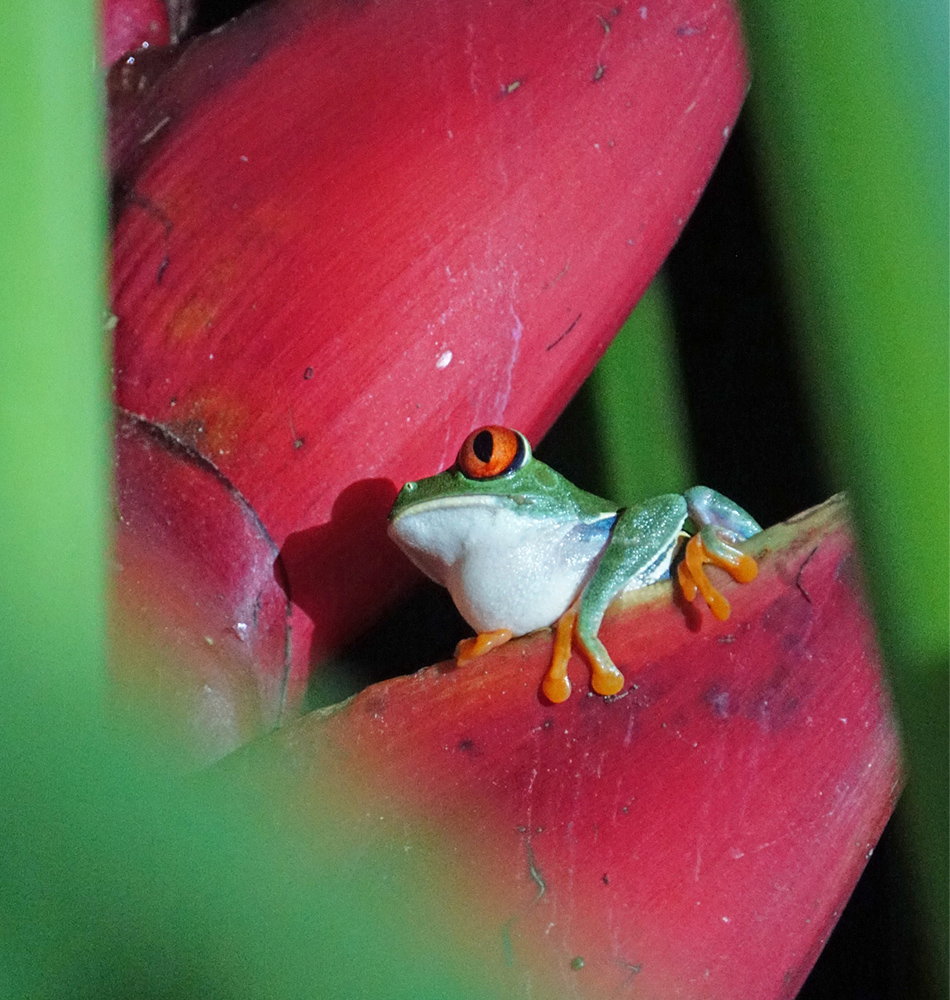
pixel 504 568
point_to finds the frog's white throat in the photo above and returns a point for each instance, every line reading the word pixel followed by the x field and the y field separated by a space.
pixel 505 566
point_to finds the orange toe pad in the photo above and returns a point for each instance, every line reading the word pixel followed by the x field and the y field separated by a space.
pixel 692 576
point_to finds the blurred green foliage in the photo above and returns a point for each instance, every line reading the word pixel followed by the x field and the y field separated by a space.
pixel 118 878
pixel 851 105
pixel 54 442
pixel 637 406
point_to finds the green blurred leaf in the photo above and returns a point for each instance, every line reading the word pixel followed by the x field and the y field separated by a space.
pixel 851 103
pixel 635 392
pixel 53 404
pixel 119 878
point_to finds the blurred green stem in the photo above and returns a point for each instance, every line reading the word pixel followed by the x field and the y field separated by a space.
pixel 53 399
pixel 851 104
pixel 636 395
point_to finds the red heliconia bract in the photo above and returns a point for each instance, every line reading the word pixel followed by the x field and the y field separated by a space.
pixel 695 836
pixel 344 236
pixel 130 24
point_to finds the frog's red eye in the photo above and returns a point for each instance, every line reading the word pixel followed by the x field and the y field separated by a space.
pixel 492 451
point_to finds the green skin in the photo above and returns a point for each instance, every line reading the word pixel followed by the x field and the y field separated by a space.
pixel 642 539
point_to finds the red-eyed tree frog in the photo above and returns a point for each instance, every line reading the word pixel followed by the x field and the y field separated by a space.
pixel 520 548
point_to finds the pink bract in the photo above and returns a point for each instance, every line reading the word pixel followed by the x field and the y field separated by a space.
pixel 344 236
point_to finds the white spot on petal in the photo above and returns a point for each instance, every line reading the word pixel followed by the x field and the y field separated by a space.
pixel 444 359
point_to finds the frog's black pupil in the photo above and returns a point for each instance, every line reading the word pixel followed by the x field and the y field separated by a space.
pixel 483 446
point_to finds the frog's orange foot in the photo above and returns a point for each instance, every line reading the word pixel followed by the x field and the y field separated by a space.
pixel 470 649
pixel 712 546
pixel 556 685
pixel 605 678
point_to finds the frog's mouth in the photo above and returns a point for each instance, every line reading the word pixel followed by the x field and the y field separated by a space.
pixel 454 503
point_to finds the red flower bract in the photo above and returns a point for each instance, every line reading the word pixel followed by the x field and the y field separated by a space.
pixel 696 836
pixel 345 235
pixel 130 24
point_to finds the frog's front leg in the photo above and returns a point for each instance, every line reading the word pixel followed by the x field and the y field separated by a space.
pixel 639 551
pixel 471 649
pixel 721 524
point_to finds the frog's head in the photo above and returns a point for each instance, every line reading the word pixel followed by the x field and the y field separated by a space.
pixel 494 493
pixel 494 466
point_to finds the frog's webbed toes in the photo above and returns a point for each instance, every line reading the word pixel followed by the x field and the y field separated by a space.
pixel 470 649
pixel 605 678
pixel 713 545
pixel 556 687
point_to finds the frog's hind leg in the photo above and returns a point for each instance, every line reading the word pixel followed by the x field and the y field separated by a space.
pixel 639 551
pixel 706 506
pixel 721 525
